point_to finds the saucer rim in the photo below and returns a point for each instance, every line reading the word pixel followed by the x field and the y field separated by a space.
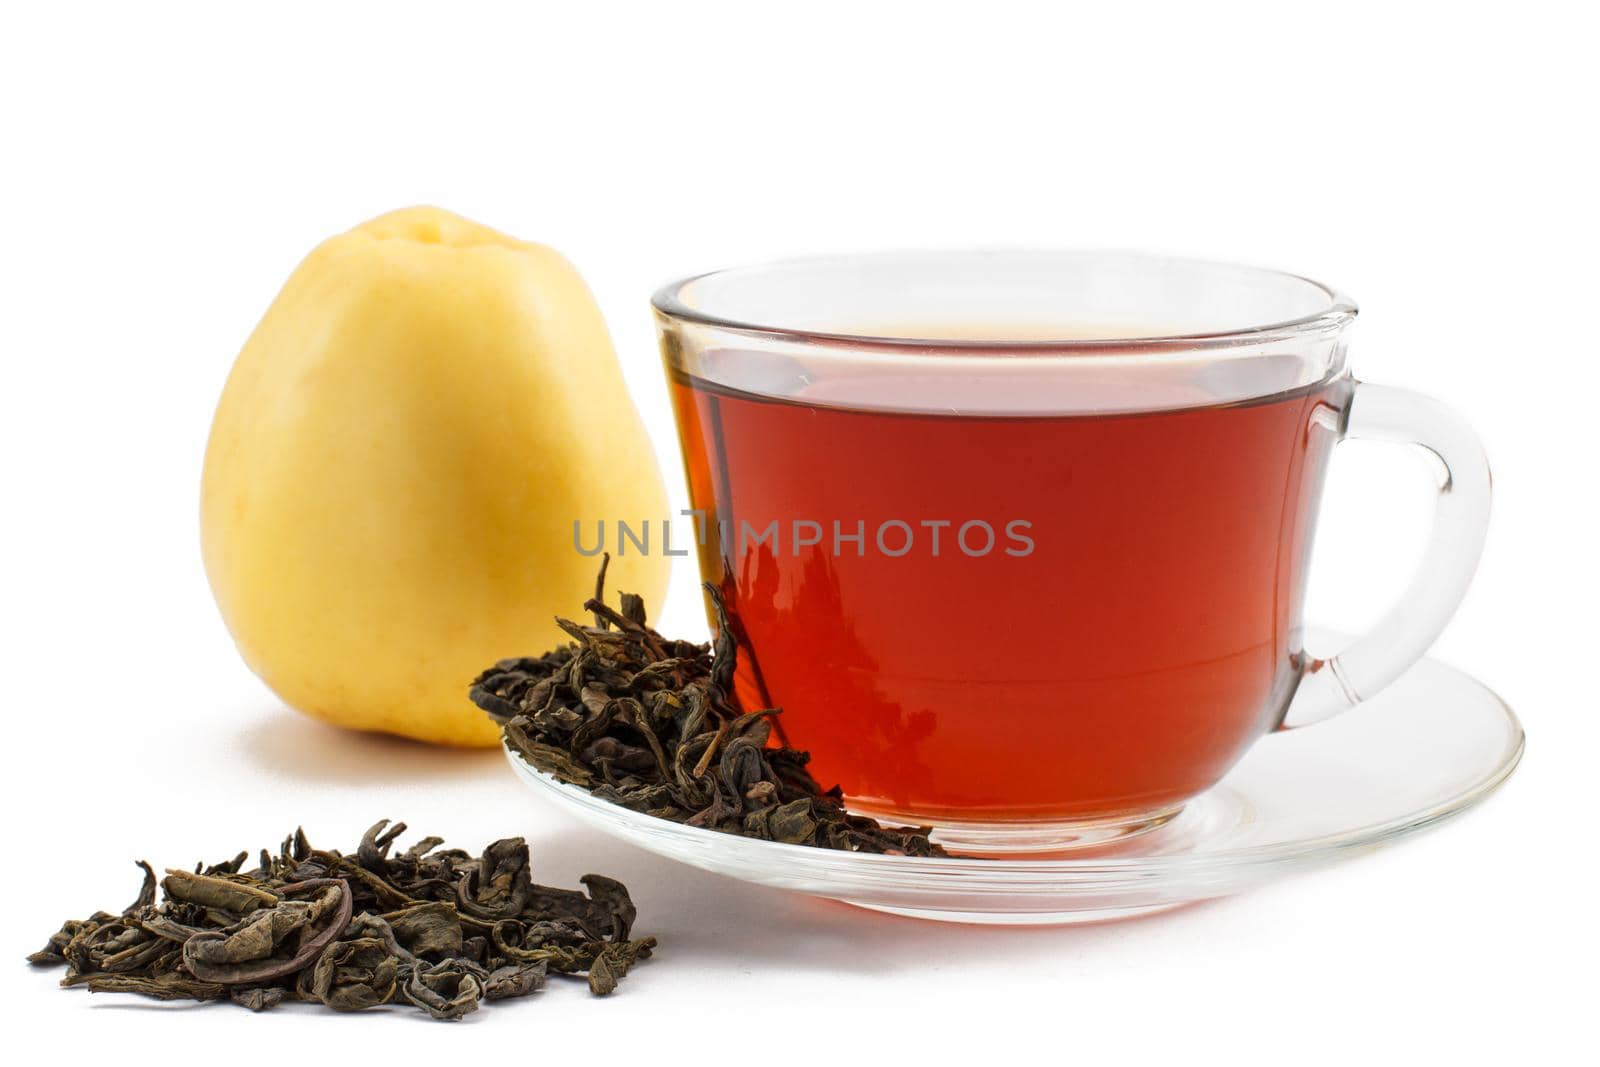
pixel 810 859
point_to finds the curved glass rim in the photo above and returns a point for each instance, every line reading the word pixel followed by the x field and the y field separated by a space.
pixel 1340 309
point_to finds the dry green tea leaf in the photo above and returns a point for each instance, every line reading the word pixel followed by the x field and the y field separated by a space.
pixel 651 724
pixel 441 930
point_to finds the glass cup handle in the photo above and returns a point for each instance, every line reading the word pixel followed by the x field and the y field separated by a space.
pixel 1461 518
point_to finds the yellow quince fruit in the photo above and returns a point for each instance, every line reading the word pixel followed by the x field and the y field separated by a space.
pixel 396 465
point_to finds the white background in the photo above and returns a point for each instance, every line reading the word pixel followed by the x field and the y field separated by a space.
pixel 167 166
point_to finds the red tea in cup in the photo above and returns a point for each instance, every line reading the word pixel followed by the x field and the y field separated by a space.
pixel 1032 582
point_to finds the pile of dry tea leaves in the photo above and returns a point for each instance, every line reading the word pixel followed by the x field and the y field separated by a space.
pixel 442 930
pixel 650 724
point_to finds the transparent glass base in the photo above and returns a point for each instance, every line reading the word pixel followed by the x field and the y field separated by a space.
pixel 1067 917
pixel 1038 838
pixel 1424 749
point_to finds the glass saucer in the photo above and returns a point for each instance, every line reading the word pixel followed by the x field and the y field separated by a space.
pixel 1428 747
